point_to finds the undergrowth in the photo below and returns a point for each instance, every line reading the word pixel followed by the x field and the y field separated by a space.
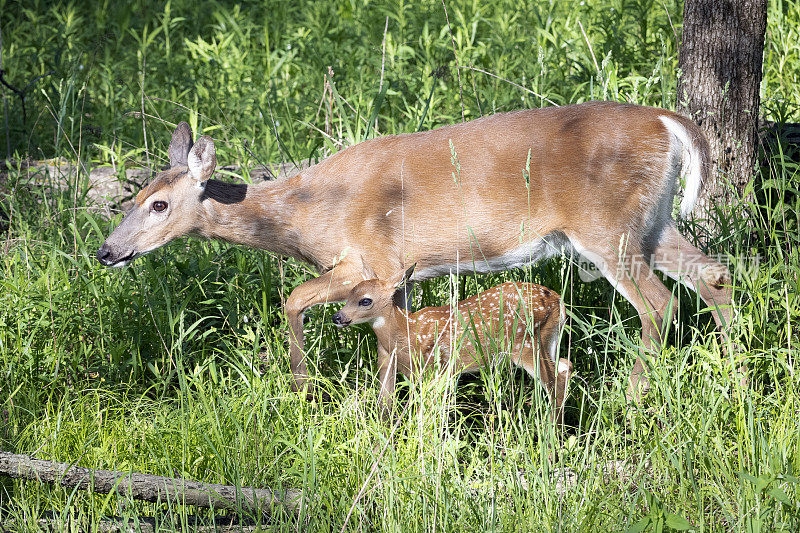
pixel 178 365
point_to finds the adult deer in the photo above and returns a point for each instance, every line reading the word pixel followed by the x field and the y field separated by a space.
pixel 601 180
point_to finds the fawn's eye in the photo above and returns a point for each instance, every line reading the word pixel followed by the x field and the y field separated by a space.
pixel 159 206
pixel 365 302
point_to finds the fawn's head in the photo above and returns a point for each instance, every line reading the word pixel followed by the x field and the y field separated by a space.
pixel 169 206
pixel 371 299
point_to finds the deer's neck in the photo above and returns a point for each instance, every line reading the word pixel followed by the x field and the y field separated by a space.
pixel 394 330
pixel 260 216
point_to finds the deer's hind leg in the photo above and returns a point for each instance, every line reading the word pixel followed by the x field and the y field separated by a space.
pixel 629 273
pixel 680 260
pixel 539 358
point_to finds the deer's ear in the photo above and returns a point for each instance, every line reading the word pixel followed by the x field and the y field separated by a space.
pixel 202 159
pixel 401 278
pixel 180 145
pixel 366 270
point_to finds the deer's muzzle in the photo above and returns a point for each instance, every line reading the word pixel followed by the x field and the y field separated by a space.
pixel 341 320
pixel 110 257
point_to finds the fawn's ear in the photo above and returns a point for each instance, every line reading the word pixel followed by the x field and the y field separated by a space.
pixel 366 270
pixel 401 278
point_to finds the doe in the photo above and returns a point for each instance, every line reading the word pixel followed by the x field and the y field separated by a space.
pixel 597 179
pixel 519 320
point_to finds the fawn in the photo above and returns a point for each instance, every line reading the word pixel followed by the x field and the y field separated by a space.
pixel 525 319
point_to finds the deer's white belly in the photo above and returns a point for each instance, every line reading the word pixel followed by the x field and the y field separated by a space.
pixel 551 244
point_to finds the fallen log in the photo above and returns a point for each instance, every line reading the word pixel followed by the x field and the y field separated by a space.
pixel 50 521
pixel 114 188
pixel 147 487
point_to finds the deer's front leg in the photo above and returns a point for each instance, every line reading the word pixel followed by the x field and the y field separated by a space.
pixel 387 373
pixel 333 286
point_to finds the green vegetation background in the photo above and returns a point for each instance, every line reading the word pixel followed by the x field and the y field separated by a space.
pixel 178 364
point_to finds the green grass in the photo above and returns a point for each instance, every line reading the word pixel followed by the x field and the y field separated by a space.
pixel 178 365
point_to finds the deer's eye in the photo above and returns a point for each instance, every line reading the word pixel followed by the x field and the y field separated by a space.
pixel 159 206
pixel 365 302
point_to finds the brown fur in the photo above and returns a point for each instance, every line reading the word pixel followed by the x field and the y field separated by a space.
pixel 162 181
pixel 599 171
pixel 511 319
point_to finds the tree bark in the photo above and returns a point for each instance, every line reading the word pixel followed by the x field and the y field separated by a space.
pixel 146 487
pixel 720 64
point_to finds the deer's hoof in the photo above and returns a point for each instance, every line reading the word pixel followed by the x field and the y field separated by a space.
pixel 316 395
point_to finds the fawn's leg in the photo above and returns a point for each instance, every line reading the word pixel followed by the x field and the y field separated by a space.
pixel 387 363
pixel 557 371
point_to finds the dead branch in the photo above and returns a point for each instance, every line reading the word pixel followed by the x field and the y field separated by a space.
pixel 146 487
pixel 52 521
pixel 22 93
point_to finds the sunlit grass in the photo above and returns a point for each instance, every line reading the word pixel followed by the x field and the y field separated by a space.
pixel 178 365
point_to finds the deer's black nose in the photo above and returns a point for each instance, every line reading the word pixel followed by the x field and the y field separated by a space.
pixel 104 255
pixel 109 257
pixel 340 319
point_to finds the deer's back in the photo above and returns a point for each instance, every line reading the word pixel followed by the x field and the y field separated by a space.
pixel 477 192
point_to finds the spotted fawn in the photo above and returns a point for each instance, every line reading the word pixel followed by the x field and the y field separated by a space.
pixel 520 320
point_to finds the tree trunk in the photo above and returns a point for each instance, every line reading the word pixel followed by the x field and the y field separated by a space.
pixel 718 87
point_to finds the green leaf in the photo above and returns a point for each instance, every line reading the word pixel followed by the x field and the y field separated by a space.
pixel 763 482
pixel 677 522
pixel 781 496
pixel 639 526
pixel 748 477
pixel 658 524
